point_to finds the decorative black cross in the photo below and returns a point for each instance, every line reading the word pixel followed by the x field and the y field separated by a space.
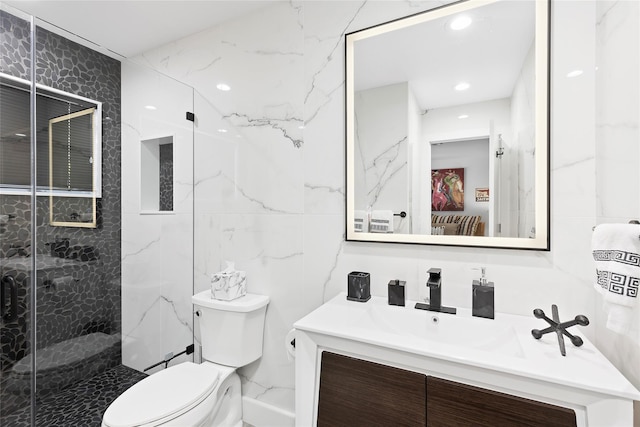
pixel 559 328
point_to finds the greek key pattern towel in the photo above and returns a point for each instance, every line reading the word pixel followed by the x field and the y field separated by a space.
pixel 616 252
pixel 616 282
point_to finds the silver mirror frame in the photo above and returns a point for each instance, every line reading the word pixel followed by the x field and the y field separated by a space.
pixel 541 241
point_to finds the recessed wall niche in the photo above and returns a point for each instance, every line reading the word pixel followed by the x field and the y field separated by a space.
pixel 156 180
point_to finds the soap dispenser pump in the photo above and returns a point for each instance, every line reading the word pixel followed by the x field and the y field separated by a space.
pixel 483 296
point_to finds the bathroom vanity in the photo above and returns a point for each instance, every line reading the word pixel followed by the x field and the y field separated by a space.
pixel 363 362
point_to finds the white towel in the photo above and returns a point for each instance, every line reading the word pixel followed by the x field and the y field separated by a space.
pixel 616 252
pixel 381 222
pixel 360 221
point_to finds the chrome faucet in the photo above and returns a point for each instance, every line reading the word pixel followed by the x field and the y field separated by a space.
pixel 434 282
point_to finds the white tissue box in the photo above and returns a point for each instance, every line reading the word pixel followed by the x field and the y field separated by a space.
pixel 228 286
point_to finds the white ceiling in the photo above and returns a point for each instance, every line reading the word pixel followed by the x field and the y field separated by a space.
pixel 128 28
pixel 489 55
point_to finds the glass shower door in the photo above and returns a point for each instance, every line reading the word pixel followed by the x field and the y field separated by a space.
pixel 16 230
pixel 60 289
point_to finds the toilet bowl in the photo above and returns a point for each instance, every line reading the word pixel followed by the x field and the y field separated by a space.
pixel 206 394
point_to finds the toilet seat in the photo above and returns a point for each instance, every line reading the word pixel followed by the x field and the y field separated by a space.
pixel 163 396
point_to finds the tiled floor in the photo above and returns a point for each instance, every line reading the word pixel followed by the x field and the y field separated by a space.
pixel 82 404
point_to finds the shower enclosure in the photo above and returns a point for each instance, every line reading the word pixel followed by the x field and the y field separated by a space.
pixel 66 350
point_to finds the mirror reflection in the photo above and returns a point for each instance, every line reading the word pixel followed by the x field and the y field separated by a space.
pixel 68 144
pixel 72 211
pixel 447 122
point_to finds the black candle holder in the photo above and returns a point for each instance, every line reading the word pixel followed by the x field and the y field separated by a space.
pixel 559 328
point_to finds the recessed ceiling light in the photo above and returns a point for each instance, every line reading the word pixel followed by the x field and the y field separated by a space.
pixel 222 130
pixel 223 87
pixel 462 86
pixel 463 116
pixel 575 73
pixel 150 107
pixel 460 23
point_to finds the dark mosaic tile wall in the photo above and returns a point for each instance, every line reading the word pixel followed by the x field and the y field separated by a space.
pixel 166 177
pixel 76 296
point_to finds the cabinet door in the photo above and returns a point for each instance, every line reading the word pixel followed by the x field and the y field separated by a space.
pixel 452 404
pixel 355 392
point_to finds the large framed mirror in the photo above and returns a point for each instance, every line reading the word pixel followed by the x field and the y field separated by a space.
pixel 447 127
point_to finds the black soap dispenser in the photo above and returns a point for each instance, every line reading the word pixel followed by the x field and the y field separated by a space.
pixel 483 297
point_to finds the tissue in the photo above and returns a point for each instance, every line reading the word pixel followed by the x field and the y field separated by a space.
pixel 229 283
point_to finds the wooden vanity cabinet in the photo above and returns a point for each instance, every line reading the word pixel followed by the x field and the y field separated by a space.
pixel 356 392
pixel 454 404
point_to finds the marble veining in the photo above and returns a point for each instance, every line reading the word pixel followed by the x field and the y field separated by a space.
pixel 385 168
pixel 279 125
pixel 261 392
pixel 261 201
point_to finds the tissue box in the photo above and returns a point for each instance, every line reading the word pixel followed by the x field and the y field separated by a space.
pixel 227 286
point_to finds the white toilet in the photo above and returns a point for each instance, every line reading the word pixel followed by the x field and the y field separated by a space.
pixel 206 394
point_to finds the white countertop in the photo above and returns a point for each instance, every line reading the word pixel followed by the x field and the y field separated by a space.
pixel 504 344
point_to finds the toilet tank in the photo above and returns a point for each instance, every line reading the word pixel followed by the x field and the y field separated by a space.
pixel 231 332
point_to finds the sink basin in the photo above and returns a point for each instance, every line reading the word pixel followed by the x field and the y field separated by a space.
pixel 499 354
pixel 432 327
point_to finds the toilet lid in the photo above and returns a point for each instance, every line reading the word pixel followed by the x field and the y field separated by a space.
pixel 166 394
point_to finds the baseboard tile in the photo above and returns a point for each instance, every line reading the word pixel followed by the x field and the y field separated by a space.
pixel 260 414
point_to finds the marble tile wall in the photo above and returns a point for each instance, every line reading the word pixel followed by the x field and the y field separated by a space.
pixel 618 149
pixel 269 192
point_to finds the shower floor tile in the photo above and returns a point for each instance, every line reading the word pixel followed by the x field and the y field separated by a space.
pixel 82 404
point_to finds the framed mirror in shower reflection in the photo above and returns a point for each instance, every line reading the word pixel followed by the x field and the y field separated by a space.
pixel 447 119
pixel 68 148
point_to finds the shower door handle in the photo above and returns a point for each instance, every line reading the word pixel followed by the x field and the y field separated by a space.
pixel 8 312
